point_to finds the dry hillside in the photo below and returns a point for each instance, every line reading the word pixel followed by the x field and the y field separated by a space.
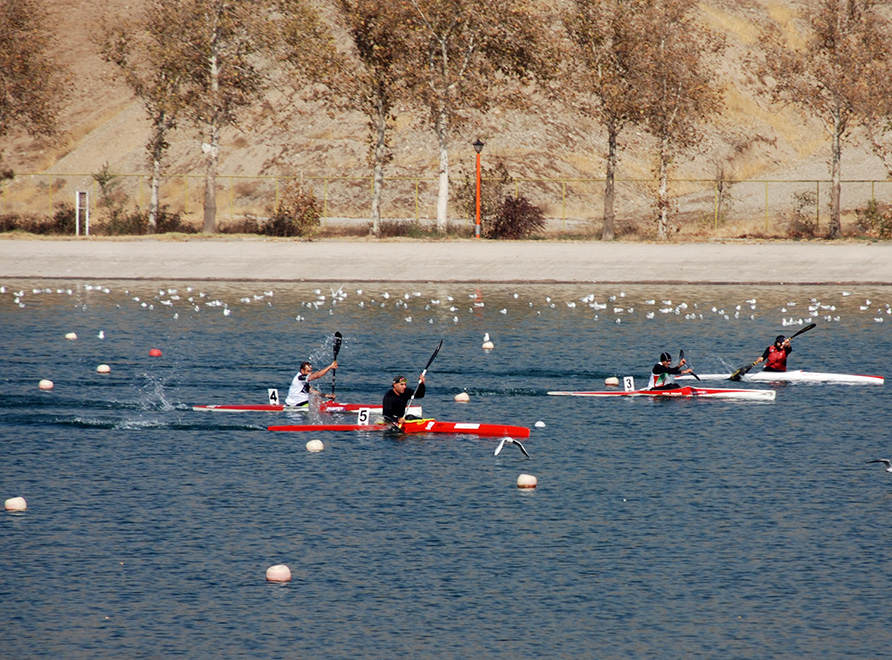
pixel 104 124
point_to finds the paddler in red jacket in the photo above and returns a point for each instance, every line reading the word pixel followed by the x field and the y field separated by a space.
pixel 662 375
pixel 775 356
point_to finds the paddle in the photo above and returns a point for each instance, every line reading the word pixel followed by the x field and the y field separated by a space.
pixel 337 349
pixel 744 370
pixel 424 371
pixel 681 357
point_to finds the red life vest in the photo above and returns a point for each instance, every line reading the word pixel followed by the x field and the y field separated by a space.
pixel 777 359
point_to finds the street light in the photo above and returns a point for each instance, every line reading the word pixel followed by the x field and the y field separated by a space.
pixel 478 147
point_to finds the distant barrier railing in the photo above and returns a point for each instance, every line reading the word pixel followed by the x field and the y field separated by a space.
pixel 348 198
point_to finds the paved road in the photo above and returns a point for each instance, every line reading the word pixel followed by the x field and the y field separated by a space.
pixel 448 261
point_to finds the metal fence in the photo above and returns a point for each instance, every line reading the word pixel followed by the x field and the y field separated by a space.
pixel 566 203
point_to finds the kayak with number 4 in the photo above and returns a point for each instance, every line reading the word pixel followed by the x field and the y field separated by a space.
pixel 325 406
pixel 417 426
pixel 685 392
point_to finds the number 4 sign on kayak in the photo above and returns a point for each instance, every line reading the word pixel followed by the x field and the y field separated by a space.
pixel 273 396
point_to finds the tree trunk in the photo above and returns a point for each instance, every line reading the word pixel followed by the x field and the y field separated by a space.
pixel 153 198
pixel 378 177
pixel 443 191
pixel 835 228
pixel 609 192
pixel 663 191
pixel 211 146
pixel 210 182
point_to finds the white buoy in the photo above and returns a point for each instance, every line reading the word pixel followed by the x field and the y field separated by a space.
pixel 103 369
pixel 315 445
pixel 278 573
pixel 613 380
pixel 46 384
pixel 16 504
pixel 540 424
pixel 526 481
pixel 462 397
pixel 487 344
pixel 71 336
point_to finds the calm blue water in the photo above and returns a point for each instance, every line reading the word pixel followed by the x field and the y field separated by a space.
pixel 660 529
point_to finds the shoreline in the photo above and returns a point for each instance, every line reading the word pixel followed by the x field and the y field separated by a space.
pixel 465 260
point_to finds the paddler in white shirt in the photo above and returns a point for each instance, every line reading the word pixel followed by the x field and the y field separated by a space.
pixel 299 392
pixel 663 374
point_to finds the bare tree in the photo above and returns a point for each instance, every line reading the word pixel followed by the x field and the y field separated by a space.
pixel 679 91
pixel 461 54
pixel 601 78
pixel 31 78
pixel 833 76
pixel 218 44
pixel 144 51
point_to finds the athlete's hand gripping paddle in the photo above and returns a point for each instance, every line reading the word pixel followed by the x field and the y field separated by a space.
pixel 681 357
pixel 744 370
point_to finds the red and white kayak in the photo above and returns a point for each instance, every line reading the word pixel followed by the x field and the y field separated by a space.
pixel 325 406
pixel 686 392
pixel 418 426
pixel 796 376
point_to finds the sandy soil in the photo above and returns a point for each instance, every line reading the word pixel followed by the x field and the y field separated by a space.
pixel 449 261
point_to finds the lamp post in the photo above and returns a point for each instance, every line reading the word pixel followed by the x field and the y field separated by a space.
pixel 478 147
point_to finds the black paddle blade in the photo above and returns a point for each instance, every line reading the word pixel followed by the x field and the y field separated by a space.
pixel 743 371
pixel 437 350
pixel 338 337
pixel 805 329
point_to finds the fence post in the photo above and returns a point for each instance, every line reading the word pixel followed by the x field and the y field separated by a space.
pixel 325 200
pixel 817 205
pixel 766 207
pixel 563 206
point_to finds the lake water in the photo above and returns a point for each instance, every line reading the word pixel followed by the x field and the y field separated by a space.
pixel 659 529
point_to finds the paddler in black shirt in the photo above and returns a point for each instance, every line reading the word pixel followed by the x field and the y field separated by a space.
pixel 396 398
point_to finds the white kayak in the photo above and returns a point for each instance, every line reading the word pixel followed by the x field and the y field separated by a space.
pixel 686 392
pixel 797 376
